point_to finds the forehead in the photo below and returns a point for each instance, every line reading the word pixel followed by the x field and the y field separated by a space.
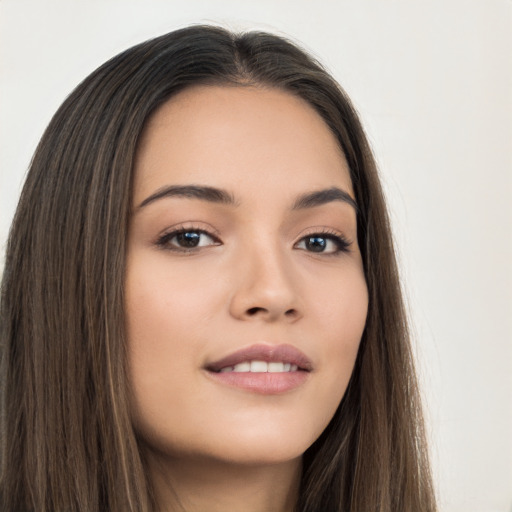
pixel 238 136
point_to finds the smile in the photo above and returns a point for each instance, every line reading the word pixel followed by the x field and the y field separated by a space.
pixel 262 369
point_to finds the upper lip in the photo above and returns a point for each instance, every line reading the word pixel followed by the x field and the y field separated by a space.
pixel 267 353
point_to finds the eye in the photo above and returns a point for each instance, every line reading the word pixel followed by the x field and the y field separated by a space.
pixel 323 243
pixel 187 240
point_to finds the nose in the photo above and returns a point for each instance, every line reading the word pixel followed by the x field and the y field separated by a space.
pixel 265 289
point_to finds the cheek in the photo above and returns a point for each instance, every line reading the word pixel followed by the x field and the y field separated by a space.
pixel 163 306
pixel 167 314
pixel 341 316
pixel 340 303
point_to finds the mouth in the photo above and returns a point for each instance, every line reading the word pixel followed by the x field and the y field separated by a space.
pixel 260 367
pixel 263 369
pixel 261 359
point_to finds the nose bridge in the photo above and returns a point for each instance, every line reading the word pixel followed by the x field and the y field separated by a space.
pixel 265 285
pixel 269 267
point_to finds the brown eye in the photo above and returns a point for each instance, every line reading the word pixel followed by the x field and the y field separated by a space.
pixel 187 240
pixel 316 243
pixel 322 243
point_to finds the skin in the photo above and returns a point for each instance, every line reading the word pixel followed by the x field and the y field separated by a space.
pixel 254 280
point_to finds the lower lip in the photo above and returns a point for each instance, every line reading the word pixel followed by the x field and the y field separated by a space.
pixel 264 383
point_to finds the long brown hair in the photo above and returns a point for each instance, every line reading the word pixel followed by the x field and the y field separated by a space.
pixel 67 442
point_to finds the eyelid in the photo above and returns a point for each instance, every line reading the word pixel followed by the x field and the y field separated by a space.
pixel 192 225
pixel 163 238
pixel 323 230
pixel 326 232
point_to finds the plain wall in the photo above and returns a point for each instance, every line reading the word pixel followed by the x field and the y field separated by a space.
pixel 433 83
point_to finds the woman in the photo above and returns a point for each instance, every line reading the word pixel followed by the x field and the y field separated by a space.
pixel 201 308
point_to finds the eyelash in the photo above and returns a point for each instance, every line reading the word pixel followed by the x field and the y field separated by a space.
pixel 164 242
pixel 341 243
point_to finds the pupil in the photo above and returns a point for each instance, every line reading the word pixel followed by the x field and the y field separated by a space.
pixel 316 243
pixel 189 239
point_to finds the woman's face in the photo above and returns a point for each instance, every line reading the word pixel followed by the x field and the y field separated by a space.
pixel 245 293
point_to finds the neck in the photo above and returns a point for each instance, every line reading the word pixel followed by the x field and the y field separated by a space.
pixel 184 485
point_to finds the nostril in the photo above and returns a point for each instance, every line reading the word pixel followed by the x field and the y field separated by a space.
pixel 268 313
pixel 254 311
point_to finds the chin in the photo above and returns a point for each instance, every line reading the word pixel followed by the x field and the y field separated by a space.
pixel 254 445
pixel 263 453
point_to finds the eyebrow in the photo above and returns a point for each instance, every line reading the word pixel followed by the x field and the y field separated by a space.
pixel 220 196
pixel 320 197
pixel 204 193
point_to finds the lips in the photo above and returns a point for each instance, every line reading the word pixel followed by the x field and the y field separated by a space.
pixel 262 369
pixel 286 354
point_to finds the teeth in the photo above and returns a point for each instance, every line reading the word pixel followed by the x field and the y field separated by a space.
pixel 260 367
pixel 242 367
pixel 276 367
